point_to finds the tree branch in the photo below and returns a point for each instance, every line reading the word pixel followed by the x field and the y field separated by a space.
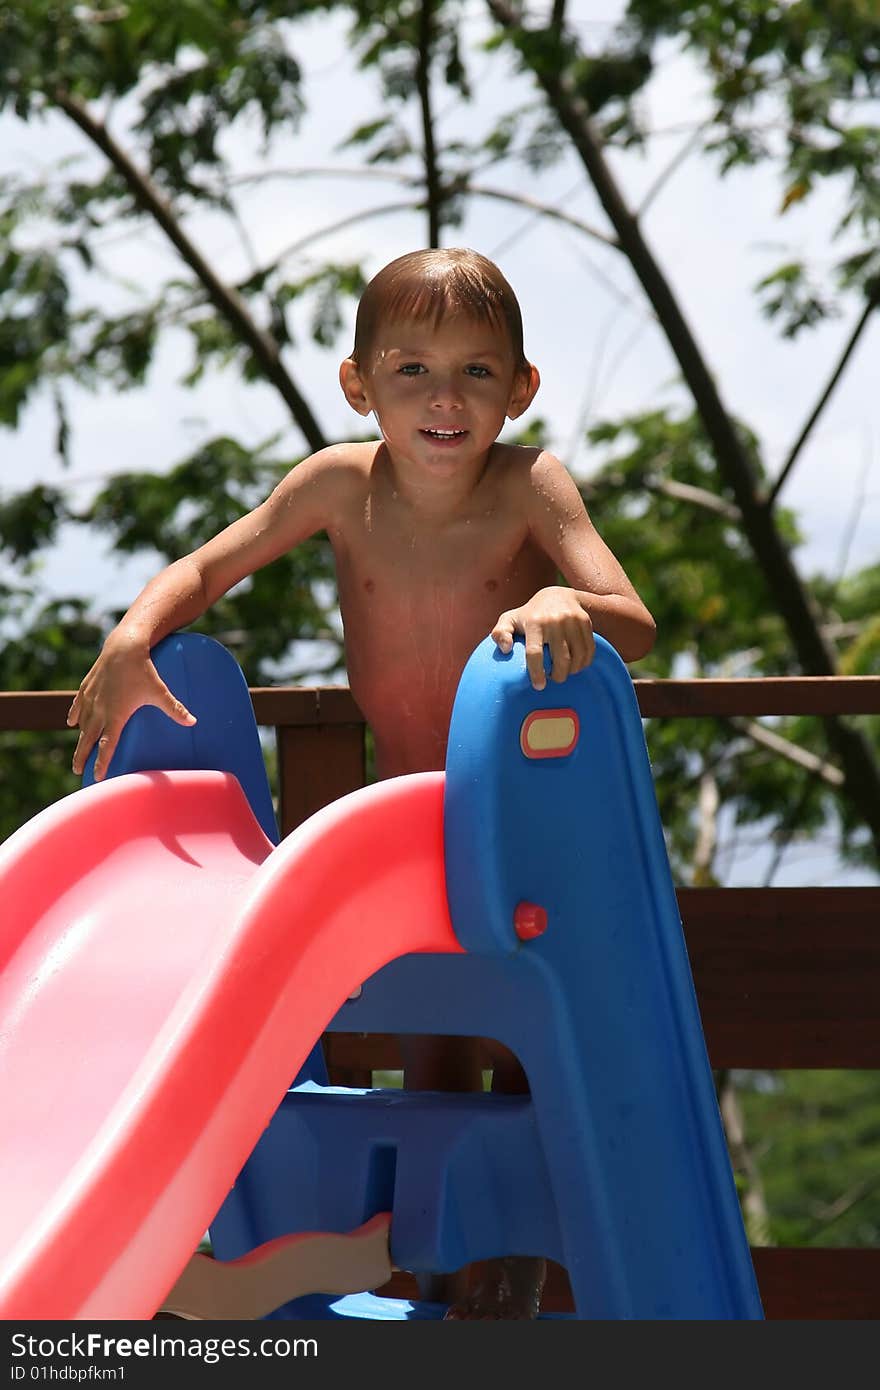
pixel 382 211
pixel 708 802
pixel 824 398
pixel 786 588
pixel 545 210
pixel 675 162
pixel 784 833
pixel 829 1214
pixel 792 752
pixel 226 300
pixel 423 84
pixel 697 496
pixel 754 1202
pixel 557 18
pixel 457 185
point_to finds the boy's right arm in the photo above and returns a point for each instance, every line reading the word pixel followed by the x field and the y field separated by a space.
pixel 124 678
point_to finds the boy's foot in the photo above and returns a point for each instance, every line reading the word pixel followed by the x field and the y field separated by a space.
pixel 509 1290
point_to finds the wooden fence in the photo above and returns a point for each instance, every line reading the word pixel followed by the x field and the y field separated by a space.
pixel 785 977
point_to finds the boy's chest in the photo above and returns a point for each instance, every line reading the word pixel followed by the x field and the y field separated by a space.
pixel 391 549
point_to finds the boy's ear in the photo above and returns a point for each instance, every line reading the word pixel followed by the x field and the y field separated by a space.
pixel 353 388
pixel 525 386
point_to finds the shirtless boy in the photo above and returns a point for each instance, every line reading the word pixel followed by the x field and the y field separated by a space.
pixel 440 536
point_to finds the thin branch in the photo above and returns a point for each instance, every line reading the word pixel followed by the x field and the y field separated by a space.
pixel 792 752
pixel 227 301
pixel 545 209
pixel 120 12
pixel 755 1212
pixel 839 631
pixel 244 235
pixel 697 496
pixel 381 211
pixel 585 406
pixel 675 162
pixel 856 512
pixel 592 268
pixel 531 221
pixel 784 834
pixel 386 209
pixel 708 802
pixel 323 171
pixel 842 1205
pixel 423 85
pixel 458 185
pixel 557 18
pixel 588 403
pixel 849 348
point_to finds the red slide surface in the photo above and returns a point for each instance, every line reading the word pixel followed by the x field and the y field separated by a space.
pixel 164 972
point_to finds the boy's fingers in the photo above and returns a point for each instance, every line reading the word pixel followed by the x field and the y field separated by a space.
pixel 166 700
pixel 581 646
pixel 535 655
pixel 503 631
pixel 560 653
pixel 108 738
pixel 106 749
pixel 84 746
pixel 590 643
pixel 105 739
pixel 170 705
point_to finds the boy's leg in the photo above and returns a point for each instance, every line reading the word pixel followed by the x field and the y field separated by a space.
pixel 441 1064
pixel 511 1286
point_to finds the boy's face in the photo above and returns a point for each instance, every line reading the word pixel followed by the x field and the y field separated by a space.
pixel 440 393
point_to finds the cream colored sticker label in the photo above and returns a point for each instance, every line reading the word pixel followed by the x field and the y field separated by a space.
pixel 549 733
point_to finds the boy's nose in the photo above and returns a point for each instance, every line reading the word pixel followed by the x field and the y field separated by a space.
pixel 446 392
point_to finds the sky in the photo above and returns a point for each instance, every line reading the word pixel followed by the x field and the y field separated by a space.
pixel 586 322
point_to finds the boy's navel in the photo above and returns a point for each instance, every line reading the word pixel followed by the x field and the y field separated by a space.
pixel 491 585
pixel 369 585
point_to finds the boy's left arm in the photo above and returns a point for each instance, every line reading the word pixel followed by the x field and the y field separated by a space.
pixel 601 598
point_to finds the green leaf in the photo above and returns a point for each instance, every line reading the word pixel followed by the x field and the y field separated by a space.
pixel 29 520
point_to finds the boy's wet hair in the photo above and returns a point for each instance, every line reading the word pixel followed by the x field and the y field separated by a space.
pixel 428 285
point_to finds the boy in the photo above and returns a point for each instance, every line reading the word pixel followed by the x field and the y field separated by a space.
pixel 440 535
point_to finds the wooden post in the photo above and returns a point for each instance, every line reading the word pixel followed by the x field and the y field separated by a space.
pixel 316 765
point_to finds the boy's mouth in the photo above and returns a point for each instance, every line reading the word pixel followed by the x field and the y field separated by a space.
pixel 443 436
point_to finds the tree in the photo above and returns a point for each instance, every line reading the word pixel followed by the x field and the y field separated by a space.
pixel 816 65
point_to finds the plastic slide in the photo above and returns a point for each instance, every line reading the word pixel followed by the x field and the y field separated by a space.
pixel 164 971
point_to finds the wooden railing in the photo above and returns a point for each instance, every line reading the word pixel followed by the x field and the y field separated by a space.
pixel 785 977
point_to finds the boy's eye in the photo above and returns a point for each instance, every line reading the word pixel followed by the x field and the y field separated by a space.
pixel 477 370
pixel 411 369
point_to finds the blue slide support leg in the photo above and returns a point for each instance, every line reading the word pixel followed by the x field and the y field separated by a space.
pixel 550 802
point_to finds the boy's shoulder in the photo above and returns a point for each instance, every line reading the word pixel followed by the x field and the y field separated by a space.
pixel 537 484
pixel 334 470
pixel 527 465
pixel 346 457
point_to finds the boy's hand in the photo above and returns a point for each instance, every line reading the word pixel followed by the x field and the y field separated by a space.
pixel 120 682
pixel 556 617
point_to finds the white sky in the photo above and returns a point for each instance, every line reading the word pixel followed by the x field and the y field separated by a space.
pixel 586 323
